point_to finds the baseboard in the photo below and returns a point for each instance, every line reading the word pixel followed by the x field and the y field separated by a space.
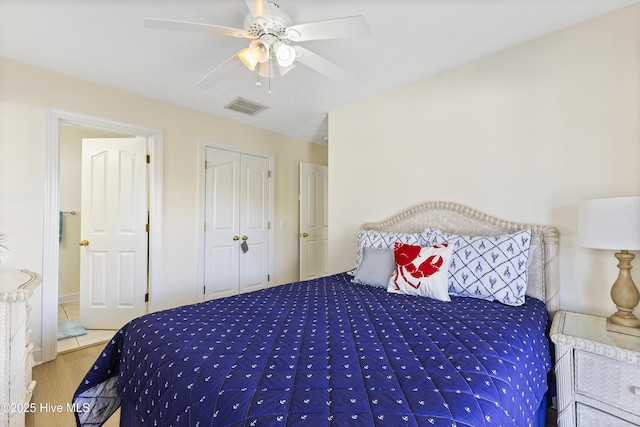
pixel 37 356
pixel 63 299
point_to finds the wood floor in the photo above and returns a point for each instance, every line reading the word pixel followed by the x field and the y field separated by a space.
pixel 56 382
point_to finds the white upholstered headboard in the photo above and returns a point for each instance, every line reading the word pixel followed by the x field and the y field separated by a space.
pixel 458 219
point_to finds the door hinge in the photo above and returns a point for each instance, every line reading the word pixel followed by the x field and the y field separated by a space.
pixel 206 164
pixel 269 225
pixel 148 158
pixel 146 227
pixel 146 297
pixel 204 290
pixel 269 175
pixel 205 226
pixel 268 277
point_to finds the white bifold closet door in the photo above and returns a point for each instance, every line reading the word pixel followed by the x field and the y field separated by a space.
pixel 237 201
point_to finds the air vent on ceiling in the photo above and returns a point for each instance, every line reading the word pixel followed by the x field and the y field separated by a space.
pixel 245 106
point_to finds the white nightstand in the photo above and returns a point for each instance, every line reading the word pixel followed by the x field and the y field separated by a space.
pixel 597 372
pixel 16 384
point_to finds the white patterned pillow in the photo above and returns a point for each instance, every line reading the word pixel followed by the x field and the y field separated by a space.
pixel 385 240
pixel 487 267
pixel 421 271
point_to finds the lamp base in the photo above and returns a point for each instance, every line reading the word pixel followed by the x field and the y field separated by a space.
pixel 623 329
pixel 625 295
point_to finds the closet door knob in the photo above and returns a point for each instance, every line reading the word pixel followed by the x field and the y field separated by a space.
pixel 84 243
pixel 236 238
pixel 244 237
pixel 305 234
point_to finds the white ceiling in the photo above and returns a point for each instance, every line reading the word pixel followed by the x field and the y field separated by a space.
pixel 104 41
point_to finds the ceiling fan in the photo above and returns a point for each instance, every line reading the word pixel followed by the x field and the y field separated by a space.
pixel 272 45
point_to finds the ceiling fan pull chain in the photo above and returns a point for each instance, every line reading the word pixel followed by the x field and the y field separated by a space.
pixel 269 64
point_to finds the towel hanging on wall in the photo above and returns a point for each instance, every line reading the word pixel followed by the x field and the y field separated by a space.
pixel 61 222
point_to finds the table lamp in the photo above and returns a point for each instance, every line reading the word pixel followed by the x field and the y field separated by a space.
pixel 614 223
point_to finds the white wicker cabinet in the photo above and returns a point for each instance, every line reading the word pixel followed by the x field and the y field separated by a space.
pixel 16 360
pixel 598 373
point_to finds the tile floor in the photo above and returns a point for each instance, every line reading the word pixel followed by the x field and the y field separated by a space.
pixel 71 310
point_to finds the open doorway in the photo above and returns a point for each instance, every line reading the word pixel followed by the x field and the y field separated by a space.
pixel 73 331
pixel 57 119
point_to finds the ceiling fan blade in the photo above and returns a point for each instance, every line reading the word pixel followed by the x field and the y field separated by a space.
pixel 259 8
pixel 324 66
pixel 168 24
pixel 339 28
pixel 231 65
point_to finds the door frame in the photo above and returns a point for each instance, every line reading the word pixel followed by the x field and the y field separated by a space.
pixel 204 144
pixel 50 252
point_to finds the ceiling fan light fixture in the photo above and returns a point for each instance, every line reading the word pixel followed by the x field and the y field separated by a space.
pixel 247 59
pixel 285 54
pixel 292 35
pixel 259 50
pixel 285 70
pixel 266 70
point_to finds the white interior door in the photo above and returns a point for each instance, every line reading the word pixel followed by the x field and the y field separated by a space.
pixel 314 226
pixel 237 199
pixel 254 222
pixel 114 212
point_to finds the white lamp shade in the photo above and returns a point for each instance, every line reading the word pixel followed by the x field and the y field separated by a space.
pixel 285 70
pixel 259 50
pixel 285 54
pixel 247 59
pixel 610 223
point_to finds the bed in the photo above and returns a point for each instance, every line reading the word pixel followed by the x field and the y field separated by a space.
pixel 337 351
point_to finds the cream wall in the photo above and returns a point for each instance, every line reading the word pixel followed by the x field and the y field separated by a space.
pixel 70 179
pixel 523 135
pixel 26 91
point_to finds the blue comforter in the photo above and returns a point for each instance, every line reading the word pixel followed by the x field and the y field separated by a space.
pixel 324 352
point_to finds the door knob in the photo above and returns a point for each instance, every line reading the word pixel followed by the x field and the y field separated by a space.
pixel 244 237
pixel 305 234
pixel 236 238
pixel 84 243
